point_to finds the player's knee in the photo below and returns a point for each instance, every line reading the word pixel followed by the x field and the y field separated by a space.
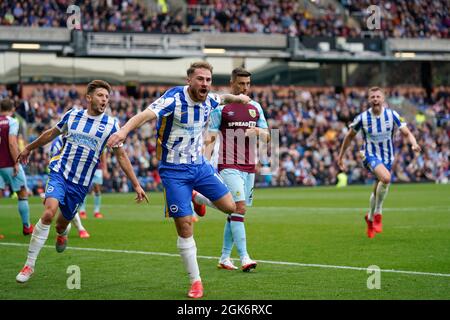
pixel 47 216
pixel 386 179
pixel 22 194
pixel 185 229
pixel 230 208
pixel 241 209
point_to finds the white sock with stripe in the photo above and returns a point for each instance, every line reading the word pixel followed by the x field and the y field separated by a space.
pixel 188 252
pixel 201 199
pixel 372 207
pixel 382 190
pixel 38 239
pixel 77 222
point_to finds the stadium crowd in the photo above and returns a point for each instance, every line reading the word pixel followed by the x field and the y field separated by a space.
pixel 400 18
pixel 103 15
pixel 311 122
pixel 407 18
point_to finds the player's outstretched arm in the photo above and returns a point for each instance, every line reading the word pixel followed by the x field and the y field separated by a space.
pixel 231 98
pixel 136 121
pixel 260 132
pixel 412 140
pixel 42 140
pixel 347 140
pixel 125 164
pixel 210 141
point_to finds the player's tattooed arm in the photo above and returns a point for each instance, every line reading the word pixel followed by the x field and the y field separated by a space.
pixel 210 141
pixel 231 98
pixel 42 140
pixel 136 121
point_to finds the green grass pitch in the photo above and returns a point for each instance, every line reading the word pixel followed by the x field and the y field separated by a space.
pixel 304 238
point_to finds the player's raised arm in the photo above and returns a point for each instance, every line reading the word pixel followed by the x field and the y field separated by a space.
pixel 231 98
pixel 136 121
pixel 125 164
pixel 411 139
pixel 347 140
pixel 42 140
pixel 210 141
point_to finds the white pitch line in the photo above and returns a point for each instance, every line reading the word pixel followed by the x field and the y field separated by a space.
pixel 338 210
pixel 312 265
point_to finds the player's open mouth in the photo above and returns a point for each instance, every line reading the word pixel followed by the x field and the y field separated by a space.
pixel 203 91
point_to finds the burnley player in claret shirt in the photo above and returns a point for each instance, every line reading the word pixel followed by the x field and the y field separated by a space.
pixel 236 126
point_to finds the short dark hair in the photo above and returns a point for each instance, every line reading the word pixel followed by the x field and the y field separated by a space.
pixel 6 105
pixel 239 72
pixel 199 65
pixel 95 84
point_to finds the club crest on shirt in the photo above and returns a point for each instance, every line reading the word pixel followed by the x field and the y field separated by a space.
pixel 252 113
pixel 101 128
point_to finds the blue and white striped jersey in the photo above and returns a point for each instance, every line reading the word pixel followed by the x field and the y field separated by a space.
pixel 85 138
pixel 56 146
pixel 180 125
pixel 378 132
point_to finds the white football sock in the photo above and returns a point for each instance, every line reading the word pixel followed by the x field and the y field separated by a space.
pixel 201 199
pixel 77 222
pixel 38 238
pixel 382 190
pixel 188 252
pixel 372 207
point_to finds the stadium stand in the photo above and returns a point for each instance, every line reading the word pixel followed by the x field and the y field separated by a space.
pixel 400 18
pixel 312 124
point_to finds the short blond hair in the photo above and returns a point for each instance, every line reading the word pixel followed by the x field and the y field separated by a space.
pixel 199 65
pixel 372 89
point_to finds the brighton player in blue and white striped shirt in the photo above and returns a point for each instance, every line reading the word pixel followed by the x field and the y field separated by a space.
pixel 377 125
pixel 55 151
pixel 182 114
pixel 86 133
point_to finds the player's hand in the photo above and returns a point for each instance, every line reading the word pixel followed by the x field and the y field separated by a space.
pixel 116 139
pixel 252 132
pixel 24 156
pixel 15 169
pixel 244 99
pixel 140 195
pixel 416 148
pixel 340 163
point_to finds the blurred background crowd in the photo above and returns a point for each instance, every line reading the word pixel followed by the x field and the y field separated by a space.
pixel 311 122
pixel 400 18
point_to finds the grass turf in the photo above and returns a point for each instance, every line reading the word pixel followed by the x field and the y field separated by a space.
pixel 322 226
